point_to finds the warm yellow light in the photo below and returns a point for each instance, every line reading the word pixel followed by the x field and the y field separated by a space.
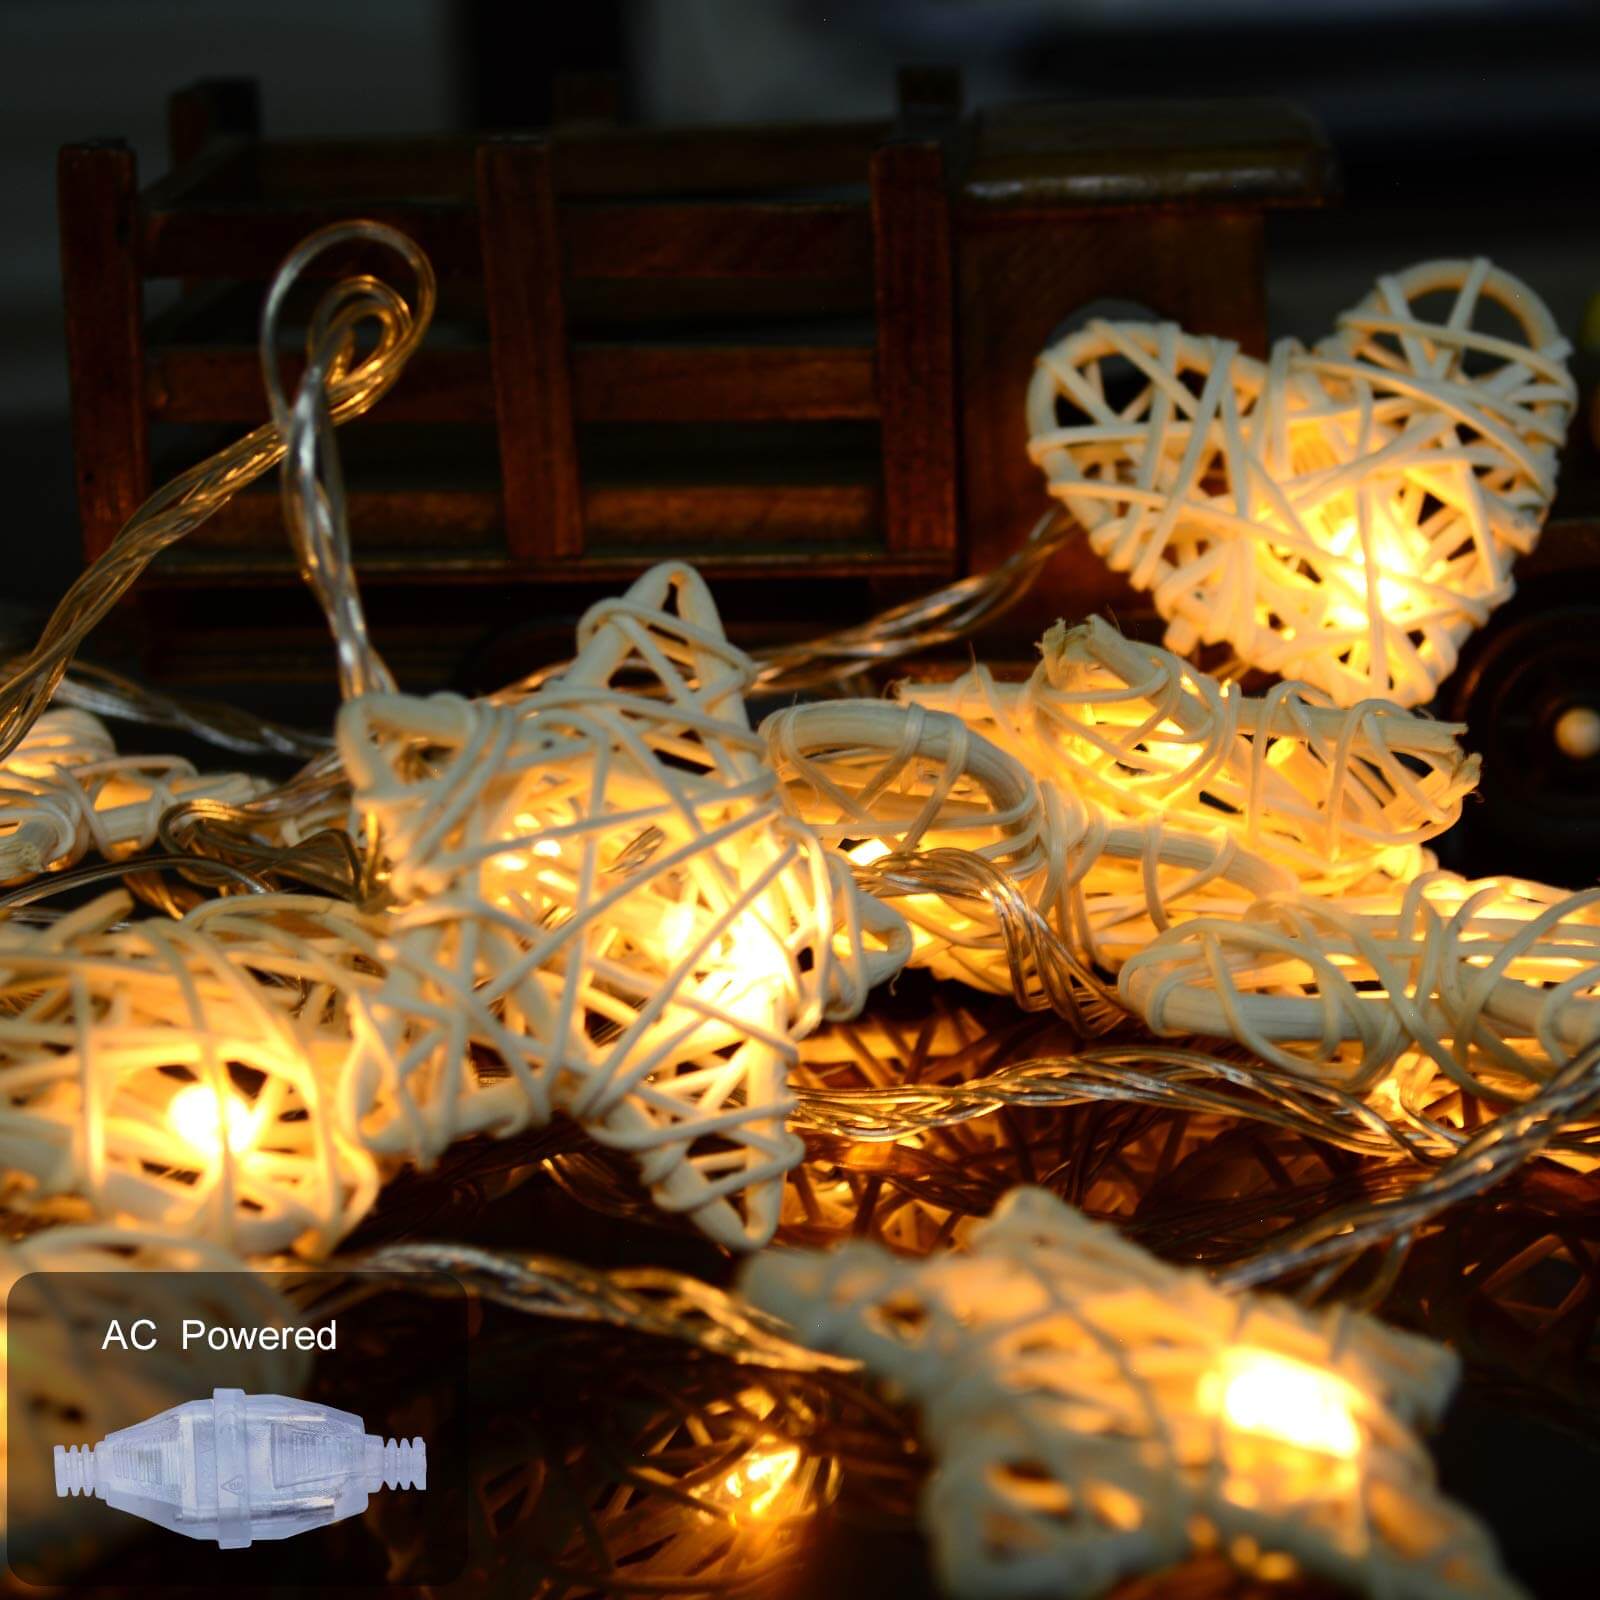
pixel 759 1480
pixel 868 851
pixel 1391 555
pixel 677 930
pixel 193 1114
pixel 1276 1397
pixel 546 847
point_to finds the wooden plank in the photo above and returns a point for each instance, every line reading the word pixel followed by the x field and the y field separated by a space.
pixel 786 525
pixel 1132 153
pixel 753 159
pixel 523 274
pixel 765 522
pixel 717 241
pixel 853 564
pixel 611 383
pixel 916 345
pixel 438 525
pixel 592 161
pixel 199 383
pixel 240 239
pixel 734 383
pixel 375 171
pixel 97 188
pixel 724 309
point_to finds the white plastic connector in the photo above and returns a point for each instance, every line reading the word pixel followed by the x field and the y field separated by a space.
pixel 240 1467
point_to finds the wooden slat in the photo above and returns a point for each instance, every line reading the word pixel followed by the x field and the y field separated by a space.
pixel 591 162
pixel 758 526
pixel 717 241
pixel 764 521
pixel 611 383
pixel 831 242
pixel 751 159
pixel 855 563
pixel 242 240
pixel 455 525
pixel 1237 154
pixel 97 187
pixel 200 383
pixel 916 345
pixel 736 383
pixel 528 333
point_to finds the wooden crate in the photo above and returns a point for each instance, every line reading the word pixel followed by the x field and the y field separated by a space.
pixel 784 352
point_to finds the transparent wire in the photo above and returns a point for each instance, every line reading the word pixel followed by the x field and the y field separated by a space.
pixel 1045 973
pixel 1510 1141
pixel 675 1306
pixel 312 482
pixel 1173 1078
pixel 349 386
pixel 97 689
pixel 923 623
pixel 651 1300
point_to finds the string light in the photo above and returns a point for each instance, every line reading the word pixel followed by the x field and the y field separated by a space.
pixel 265 983
pixel 1273 1396
pixel 339 387
pixel 759 1484
pixel 193 1114
pixel 603 894
pixel 992 846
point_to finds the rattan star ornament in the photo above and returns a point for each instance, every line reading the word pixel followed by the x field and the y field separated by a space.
pixel 599 906
pixel 1488 985
pixel 1336 796
pixel 179 1077
pixel 1345 514
pixel 1095 1414
pixel 65 790
pixel 882 782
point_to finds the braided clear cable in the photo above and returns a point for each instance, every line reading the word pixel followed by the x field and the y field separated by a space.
pixel 349 387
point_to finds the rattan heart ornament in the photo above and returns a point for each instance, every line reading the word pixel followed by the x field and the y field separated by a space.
pixel 1345 514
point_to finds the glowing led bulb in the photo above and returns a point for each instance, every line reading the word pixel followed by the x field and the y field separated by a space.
pixel 193 1114
pixel 1391 555
pixel 757 1482
pixel 677 930
pixel 1276 1397
pixel 868 851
